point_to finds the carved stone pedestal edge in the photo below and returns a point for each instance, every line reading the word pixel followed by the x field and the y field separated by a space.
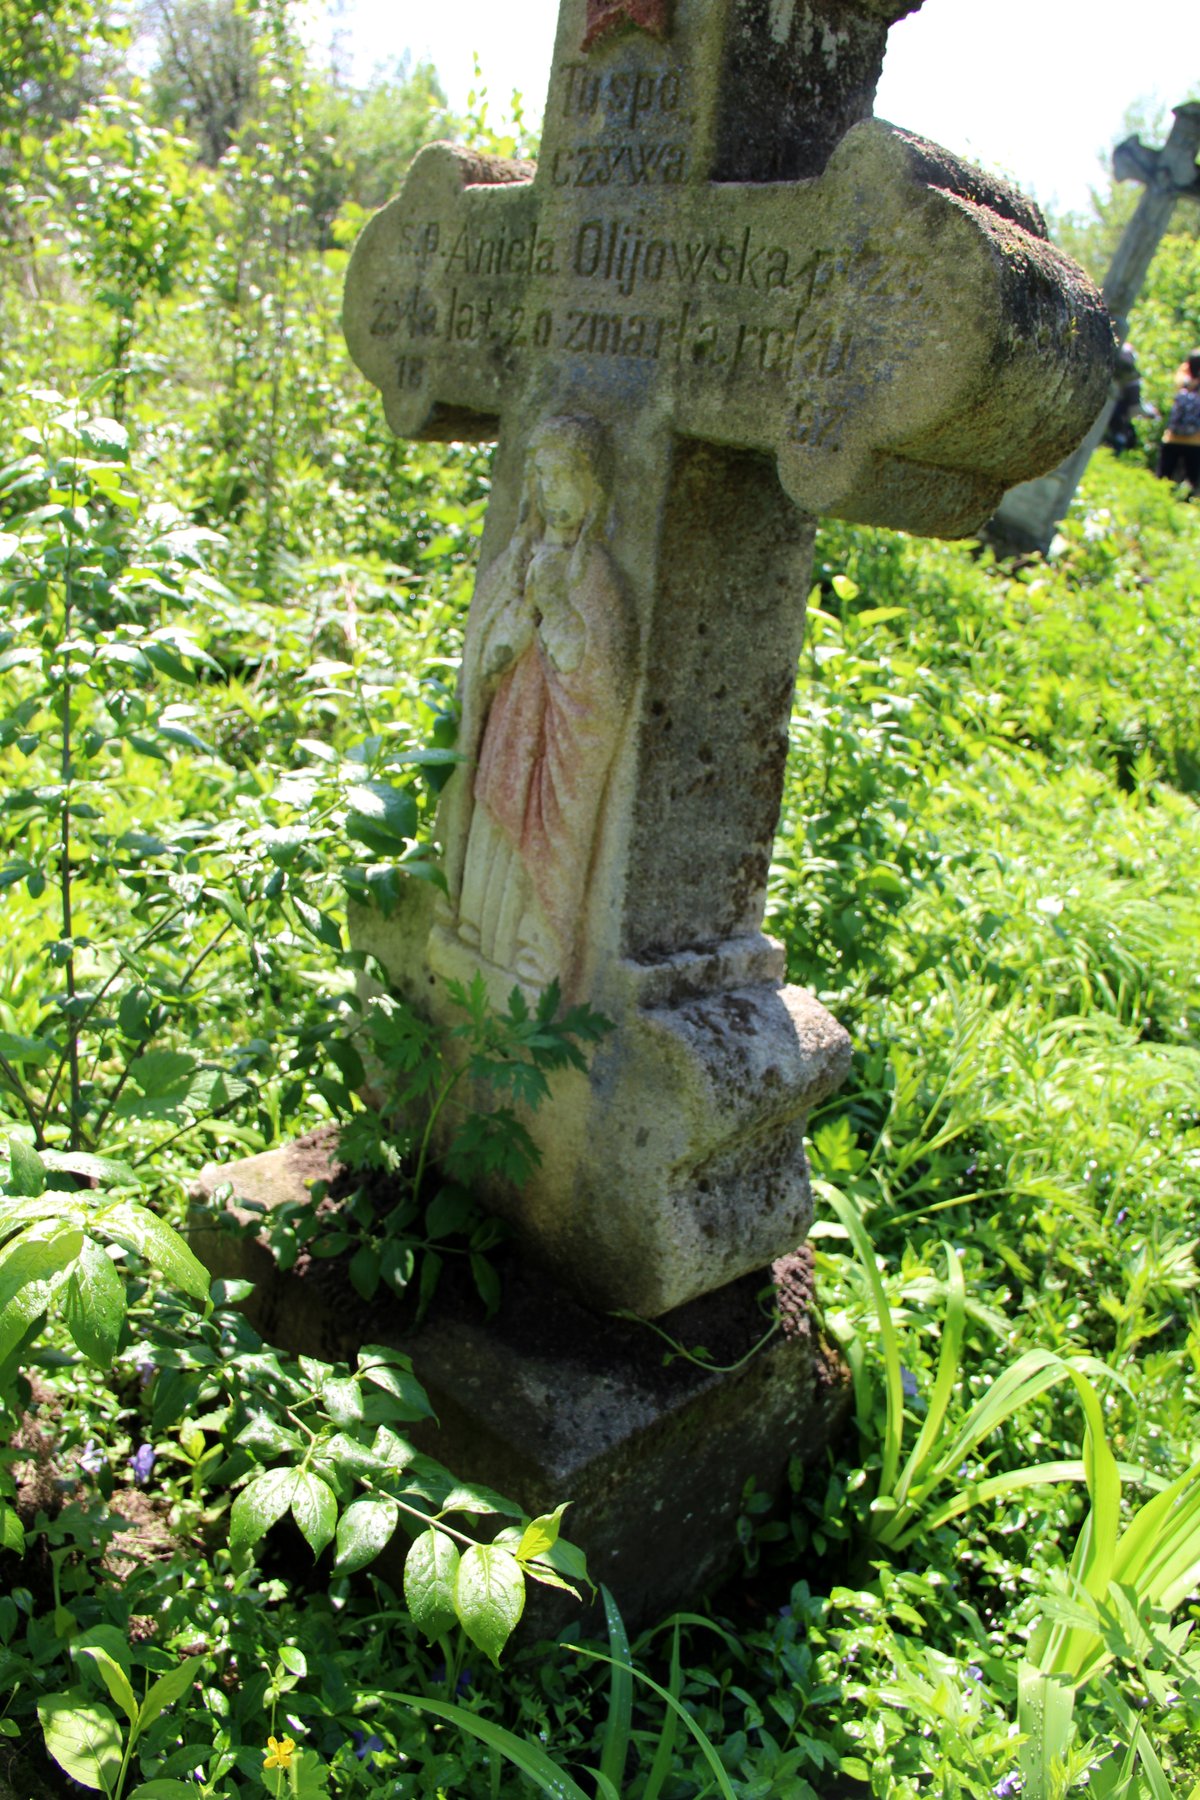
pixel 676 1164
pixel 548 1401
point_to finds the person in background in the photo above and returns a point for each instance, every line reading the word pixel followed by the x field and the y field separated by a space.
pixel 1121 433
pixel 1179 457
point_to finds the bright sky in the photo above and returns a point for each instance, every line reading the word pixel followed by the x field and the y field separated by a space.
pixel 1036 89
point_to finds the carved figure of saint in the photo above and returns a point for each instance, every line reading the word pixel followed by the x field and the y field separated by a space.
pixel 547 681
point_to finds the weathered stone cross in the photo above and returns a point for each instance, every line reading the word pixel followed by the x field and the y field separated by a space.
pixel 727 300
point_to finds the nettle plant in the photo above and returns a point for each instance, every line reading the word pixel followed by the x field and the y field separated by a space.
pixel 89 721
pixel 159 874
pixel 315 1443
pixel 128 192
pixel 431 1212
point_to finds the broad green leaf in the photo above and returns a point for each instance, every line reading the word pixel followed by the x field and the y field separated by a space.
pixel 94 1305
pixel 393 1451
pixel 141 1230
pixel 541 1534
pixel 106 1638
pixel 104 1170
pixel 160 1072
pixel 324 928
pixel 163 1789
pixel 82 1737
pixel 308 1776
pixel 570 1562
pixel 36 1259
pixel 473 1497
pixel 382 817
pixel 314 1510
pixel 100 433
pixel 259 1505
pixel 18 1050
pixel 27 1173
pixel 363 1530
pixel 265 1434
pixel 343 1401
pixel 489 1597
pixel 293 1660
pixel 448 1211
pixel 19 1318
pixel 12 1532
pixel 403 1386
pixel 115 1680
pixel 168 1689
pixel 430 1571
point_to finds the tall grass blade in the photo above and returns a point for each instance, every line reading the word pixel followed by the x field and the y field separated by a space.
pixel 949 1357
pixel 615 1748
pixel 1045 1714
pixel 664 1750
pixel 1159 1552
pixel 1062 1648
pixel 710 1756
pixel 530 1758
pixel 893 1430
pixel 1158 1787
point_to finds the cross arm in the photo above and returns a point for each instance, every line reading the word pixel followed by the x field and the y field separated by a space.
pixel 921 347
pixel 435 311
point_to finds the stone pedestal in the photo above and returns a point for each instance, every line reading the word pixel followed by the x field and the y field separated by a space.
pixel 550 1401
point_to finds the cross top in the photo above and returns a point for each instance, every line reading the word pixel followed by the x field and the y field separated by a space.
pixel 874 319
pixel 726 300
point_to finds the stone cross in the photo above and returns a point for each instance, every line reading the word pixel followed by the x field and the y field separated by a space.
pixel 1029 516
pixel 726 301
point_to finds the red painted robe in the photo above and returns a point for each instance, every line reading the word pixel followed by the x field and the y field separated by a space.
pixel 548 746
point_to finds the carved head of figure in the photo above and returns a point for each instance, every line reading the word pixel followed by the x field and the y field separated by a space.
pixel 568 476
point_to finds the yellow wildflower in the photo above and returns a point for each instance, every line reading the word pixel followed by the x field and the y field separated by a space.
pixel 279 1753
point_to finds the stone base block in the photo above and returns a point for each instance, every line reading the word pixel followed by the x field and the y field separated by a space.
pixel 549 1401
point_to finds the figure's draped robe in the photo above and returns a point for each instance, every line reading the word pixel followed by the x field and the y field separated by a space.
pixel 547 747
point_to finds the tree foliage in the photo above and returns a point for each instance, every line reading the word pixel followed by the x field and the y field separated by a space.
pixel 205 73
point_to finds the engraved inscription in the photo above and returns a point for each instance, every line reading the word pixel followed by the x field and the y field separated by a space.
pixel 414 312
pixel 608 250
pixel 498 253
pixel 410 372
pixel 625 165
pixel 819 424
pixel 627 98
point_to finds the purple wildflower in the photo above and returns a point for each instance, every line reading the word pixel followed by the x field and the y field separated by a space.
pixel 1007 1786
pixel 464 1683
pixel 1122 1216
pixel 975 1674
pixel 142 1463
pixel 908 1384
pixel 91 1459
pixel 365 1747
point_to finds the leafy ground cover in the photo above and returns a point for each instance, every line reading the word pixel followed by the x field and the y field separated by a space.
pixel 230 609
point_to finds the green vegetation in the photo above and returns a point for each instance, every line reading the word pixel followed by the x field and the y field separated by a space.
pixel 230 610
